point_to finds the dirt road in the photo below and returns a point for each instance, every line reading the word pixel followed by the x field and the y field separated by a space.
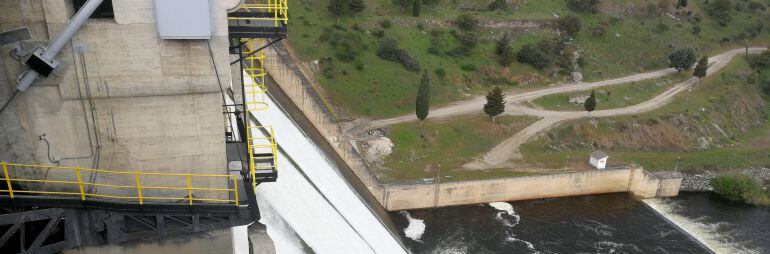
pixel 509 148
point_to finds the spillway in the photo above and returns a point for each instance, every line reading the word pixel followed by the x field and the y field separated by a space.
pixel 313 199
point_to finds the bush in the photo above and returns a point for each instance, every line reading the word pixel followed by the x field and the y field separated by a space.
pixel 761 61
pixel 468 41
pixel 719 10
pixel 532 54
pixel 682 59
pixel 695 30
pixel 347 46
pixel 466 22
pixel 468 67
pixel 736 187
pixel 497 5
pixel 583 5
pixel 570 24
pixel 440 72
pixel 504 51
pixel 385 24
pixel 756 6
pixel 379 33
pixel 600 29
pixel 389 51
pixel 660 28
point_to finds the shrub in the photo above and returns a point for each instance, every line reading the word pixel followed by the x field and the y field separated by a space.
pixel 695 30
pixel 761 61
pixel 719 10
pixel 468 67
pixel 389 51
pixel 379 33
pixel 440 72
pixel 532 54
pixel 583 5
pixel 736 187
pixel 385 24
pixel 347 45
pixel 600 29
pixel 756 6
pixel 497 5
pixel 570 24
pixel 660 28
pixel 468 40
pixel 682 59
pixel 420 26
pixel 466 22
pixel 504 51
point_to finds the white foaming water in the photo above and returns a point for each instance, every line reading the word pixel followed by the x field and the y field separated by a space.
pixel 315 200
pixel 707 234
pixel 506 208
pixel 596 227
pixel 416 227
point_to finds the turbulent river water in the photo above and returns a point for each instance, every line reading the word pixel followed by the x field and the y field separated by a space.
pixel 610 223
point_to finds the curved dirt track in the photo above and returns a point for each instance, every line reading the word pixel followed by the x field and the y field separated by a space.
pixel 509 148
pixel 474 105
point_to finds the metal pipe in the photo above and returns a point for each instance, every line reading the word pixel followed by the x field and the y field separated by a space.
pixel 57 44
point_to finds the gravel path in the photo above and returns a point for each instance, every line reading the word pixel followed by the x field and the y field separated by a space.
pixel 509 148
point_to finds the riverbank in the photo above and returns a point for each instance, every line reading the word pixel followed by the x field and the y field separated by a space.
pixel 700 182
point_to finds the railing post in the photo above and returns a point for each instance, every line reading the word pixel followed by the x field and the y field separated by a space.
pixel 80 184
pixel 235 188
pixel 139 187
pixel 189 191
pixel 7 179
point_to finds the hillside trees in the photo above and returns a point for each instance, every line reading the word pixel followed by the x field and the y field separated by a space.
pixel 583 5
pixel 547 53
pixel 416 7
pixel 719 11
pixel 343 7
pixel 422 105
pixel 495 103
pixel 681 59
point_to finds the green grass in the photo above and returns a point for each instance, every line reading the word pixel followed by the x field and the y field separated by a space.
pixel 446 145
pixel 383 89
pixel 740 150
pixel 616 96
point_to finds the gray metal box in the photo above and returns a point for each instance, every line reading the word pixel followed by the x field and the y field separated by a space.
pixel 183 19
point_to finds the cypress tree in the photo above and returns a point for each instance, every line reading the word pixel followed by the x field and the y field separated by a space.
pixel 701 67
pixel 416 4
pixel 495 103
pixel 590 103
pixel 423 98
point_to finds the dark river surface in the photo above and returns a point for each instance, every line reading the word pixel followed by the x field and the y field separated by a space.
pixel 609 223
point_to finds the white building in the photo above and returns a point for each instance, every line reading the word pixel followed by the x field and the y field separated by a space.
pixel 598 159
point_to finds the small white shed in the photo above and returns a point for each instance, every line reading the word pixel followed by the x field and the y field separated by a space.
pixel 598 159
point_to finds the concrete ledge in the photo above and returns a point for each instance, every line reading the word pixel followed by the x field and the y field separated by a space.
pixel 634 179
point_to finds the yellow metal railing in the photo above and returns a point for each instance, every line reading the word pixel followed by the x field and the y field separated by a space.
pixel 161 191
pixel 278 11
pixel 261 145
pixel 255 91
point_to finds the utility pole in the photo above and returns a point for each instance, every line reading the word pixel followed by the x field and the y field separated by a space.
pixel 677 163
pixel 438 180
pixel 566 162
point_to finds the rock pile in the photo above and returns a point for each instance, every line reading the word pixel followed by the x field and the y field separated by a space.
pixel 702 181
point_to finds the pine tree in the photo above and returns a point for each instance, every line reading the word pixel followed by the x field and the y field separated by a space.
pixel 416 4
pixel 495 103
pixel 337 7
pixel 590 103
pixel 423 98
pixel 356 6
pixel 700 68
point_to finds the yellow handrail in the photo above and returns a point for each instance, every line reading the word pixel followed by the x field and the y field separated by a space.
pixel 165 192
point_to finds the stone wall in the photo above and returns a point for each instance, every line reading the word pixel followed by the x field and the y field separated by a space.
pixel 702 181
pixel 634 180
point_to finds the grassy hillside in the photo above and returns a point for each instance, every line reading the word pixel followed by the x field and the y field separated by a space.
pixel 637 38
pixel 723 123
pixel 420 151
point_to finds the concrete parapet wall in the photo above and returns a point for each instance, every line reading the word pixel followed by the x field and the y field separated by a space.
pixel 634 180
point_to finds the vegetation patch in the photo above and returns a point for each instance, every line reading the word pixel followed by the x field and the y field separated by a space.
pixel 720 124
pixel 606 39
pixel 740 188
pixel 420 152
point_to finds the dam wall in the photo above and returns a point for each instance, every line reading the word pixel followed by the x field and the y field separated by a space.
pixel 632 179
